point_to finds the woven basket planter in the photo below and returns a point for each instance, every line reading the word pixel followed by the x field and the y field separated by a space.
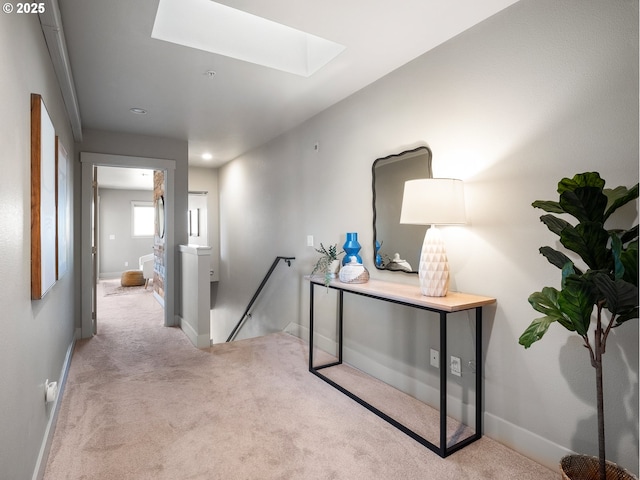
pixel 132 278
pixel 584 467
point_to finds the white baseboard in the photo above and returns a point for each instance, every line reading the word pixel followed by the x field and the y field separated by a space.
pixel 43 455
pixel 294 329
pixel 109 275
pixel 199 341
pixel 158 298
pixel 529 444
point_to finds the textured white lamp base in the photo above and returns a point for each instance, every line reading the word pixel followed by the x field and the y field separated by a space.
pixel 434 267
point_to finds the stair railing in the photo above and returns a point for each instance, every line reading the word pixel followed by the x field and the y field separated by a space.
pixel 246 313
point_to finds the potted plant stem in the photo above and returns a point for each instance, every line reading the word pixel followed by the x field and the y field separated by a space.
pixel 592 300
pixel 328 263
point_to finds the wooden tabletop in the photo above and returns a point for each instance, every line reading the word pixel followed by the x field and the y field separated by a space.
pixel 452 302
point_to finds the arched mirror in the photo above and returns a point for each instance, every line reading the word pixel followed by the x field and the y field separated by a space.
pixel 160 216
pixel 397 247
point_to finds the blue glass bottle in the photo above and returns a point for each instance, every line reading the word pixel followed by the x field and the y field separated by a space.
pixel 351 248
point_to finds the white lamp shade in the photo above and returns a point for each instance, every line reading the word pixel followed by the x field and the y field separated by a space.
pixel 433 201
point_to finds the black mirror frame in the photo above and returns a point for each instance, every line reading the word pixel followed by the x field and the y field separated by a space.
pixel 414 151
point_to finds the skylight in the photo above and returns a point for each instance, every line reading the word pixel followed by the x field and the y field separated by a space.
pixel 220 29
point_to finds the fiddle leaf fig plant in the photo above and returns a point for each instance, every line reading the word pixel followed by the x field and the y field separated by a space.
pixel 604 291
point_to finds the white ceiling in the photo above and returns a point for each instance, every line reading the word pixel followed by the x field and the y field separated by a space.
pixel 116 65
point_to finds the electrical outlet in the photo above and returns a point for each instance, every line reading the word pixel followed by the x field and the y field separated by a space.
pixel 309 240
pixel 456 368
pixel 434 357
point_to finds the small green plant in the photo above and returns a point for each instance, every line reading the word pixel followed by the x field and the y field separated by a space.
pixel 327 257
pixel 609 283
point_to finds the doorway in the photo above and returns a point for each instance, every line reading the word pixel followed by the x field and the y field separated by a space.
pixel 90 162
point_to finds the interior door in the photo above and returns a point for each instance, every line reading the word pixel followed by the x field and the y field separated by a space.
pixel 94 253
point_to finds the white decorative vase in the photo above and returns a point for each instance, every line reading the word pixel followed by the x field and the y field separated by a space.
pixel 354 272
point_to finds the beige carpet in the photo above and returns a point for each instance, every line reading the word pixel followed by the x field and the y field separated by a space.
pixel 142 403
pixel 114 287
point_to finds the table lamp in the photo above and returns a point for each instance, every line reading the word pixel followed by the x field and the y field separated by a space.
pixel 433 201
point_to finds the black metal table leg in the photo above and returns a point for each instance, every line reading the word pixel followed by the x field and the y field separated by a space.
pixel 478 371
pixel 443 384
pixel 311 326
pixel 340 325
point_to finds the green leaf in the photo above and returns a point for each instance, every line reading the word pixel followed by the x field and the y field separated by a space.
pixel 589 240
pixel 557 258
pixel 535 331
pixel 576 301
pixel 630 315
pixel 587 204
pixel 555 224
pixel 587 179
pixel 548 206
pixel 618 197
pixel 546 302
pixel 582 197
pixel 620 296
pixel 629 258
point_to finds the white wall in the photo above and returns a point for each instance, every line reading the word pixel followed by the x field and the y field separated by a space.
pixel 542 90
pixel 36 335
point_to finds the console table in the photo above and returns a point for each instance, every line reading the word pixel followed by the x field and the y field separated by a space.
pixel 409 296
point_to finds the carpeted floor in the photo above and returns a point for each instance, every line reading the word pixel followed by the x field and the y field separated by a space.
pixel 142 403
pixel 114 287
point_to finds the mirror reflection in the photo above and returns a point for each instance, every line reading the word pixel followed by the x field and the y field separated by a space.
pixel 397 247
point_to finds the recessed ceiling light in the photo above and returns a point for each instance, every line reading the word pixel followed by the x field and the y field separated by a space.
pixel 138 111
pixel 207 156
pixel 217 28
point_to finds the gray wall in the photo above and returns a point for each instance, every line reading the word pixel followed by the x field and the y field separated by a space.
pixel 36 335
pixel 115 220
pixel 206 180
pixel 114 143
pixel 542 90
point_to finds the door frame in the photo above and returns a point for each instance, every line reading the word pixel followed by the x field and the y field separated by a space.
pixel 89 160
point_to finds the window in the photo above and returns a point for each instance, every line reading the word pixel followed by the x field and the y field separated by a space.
pixel 142 219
